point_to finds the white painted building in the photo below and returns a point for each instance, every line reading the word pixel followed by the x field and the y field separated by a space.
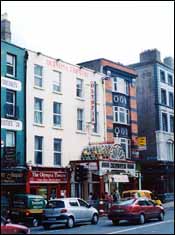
pixel 60 110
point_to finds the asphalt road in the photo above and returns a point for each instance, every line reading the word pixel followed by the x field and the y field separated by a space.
pixel 105 227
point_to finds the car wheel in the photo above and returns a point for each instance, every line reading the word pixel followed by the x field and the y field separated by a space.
pixel 46 226
pixel 161 216
pixel 70 222
pixel 35 222
pixel 141 219
pixel 94 219
pixel 115 222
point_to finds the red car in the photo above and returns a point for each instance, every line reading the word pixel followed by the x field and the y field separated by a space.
pixel 8 228
pixel 137 210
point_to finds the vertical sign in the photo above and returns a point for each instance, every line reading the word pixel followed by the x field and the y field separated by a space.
pixel 93 102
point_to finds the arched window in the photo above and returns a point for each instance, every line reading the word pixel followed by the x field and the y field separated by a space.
pixel 170 145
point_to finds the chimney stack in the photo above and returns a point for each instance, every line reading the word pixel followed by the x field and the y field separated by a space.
pixel 5 28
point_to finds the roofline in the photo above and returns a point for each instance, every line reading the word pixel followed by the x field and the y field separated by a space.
pixel 139 64
pixel 132 71
pixel 12 44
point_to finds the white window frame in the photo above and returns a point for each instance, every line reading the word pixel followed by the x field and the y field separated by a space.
pixel 80 118
pixel 11 64
pixel 171 116
pixel 117 111
pixel 97 124
pixel 162 96
pixel 80 89
pixel 125 142
pixel 57 152
pixel 12 104
pixel 12 140
pixel 57 83
pixel 38 150
pixel 38 111
pixel 115 84
pixel 38 76
pixel 169 99
pixel 162 121
pixel 57 114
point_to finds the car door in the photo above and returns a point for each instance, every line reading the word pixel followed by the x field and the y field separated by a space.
pixel 75 209
pixel 144 207
pixel 86 212
pixel 152 209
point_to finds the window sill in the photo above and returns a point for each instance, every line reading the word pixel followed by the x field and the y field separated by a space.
pixel 79 98
pixel 81 132
pixel 39 125
pixel 10 76
pixel 95 134
pixel 58 128
pixel 39 88
pixel 57 92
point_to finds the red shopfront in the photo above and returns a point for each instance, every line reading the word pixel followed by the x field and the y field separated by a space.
pixel 48 182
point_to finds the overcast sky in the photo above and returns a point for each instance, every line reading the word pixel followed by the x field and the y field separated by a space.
pixel 81 31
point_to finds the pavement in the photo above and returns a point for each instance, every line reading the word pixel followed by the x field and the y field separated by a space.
pixel 168 205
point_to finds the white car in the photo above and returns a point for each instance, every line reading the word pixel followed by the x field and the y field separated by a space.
pixel 68 211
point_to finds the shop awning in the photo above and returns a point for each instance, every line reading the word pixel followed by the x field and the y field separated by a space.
pixel 118 178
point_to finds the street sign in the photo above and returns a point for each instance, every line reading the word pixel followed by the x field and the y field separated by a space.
pixel 141 143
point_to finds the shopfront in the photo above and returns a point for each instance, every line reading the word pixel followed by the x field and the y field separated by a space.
pixel 48 182
pixel 108 170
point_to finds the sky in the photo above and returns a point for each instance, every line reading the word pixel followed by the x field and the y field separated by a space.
pixel 78 31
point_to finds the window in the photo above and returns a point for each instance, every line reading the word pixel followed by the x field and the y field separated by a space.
pixel 115 84
pixel 125 145
pixel 38 149
pixel 57 82
pixel 163 97
pixel 164 122
pixel 11 65
pixel 171 100
pixel 121 115
pixel 73 203
pixel 162 76
pixel 170 80
pixel 38 112
pixel 96 124
pixel 10 103
pixel 80 124
pixel 127 88
pixel 171 123
pixel 79 91
pixel 38 75
pixel 55 204
pixel 10 139
pixel 57 151
pixel 82 203
pixel 170 146
pixel 57 114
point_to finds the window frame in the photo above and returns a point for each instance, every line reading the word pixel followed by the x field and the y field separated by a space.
pixel 38 150
pixel 79 89
pixel 170 83
pixel 13 138
pixel 13 65
pixel 59 152
pixel 162 73
pixel 115 84
pixel 38 76
pixel 171 123
pixel 11 104
pixel 163 90
pixel 165 115
pixel 117 112
pixel 81 119
pixel 57 83
pixel 172 96
pixel 57 114
pixel 38 111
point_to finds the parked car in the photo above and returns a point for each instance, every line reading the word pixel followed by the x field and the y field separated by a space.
pixel 27 208
pixel 137 210
pixel 141 193
pixel 68 211
pixel 4 206
pixel 9 228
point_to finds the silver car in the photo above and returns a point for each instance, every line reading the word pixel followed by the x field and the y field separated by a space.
pixel 68 211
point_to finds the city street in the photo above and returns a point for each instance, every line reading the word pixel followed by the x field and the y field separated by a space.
pixel 105 227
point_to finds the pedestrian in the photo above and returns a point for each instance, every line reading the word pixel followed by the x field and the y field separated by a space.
pixel 116 196
pixel 90 198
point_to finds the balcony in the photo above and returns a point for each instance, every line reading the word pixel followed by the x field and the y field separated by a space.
pixel 11 111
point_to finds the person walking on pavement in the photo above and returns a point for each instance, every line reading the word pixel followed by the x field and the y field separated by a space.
pixel 116 196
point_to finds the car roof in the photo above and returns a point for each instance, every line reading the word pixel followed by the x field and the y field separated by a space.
pixel 135 191
pixel 65 198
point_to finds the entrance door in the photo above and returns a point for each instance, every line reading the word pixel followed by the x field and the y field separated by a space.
pixel 53 192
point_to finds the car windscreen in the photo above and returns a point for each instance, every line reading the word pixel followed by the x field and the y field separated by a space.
pixel 55 204
pixel 125 202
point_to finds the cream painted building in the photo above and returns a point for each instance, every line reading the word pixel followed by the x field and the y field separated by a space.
pixel 60 110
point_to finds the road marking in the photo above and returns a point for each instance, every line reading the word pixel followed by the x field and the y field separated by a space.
pixel 143 226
